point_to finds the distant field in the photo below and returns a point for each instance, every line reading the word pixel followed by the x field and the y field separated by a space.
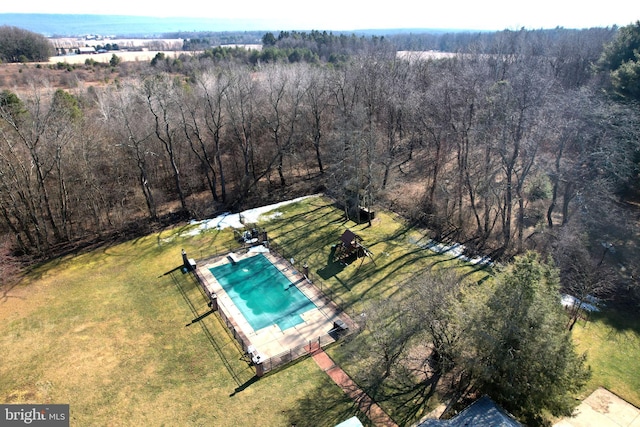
pixel 132 49
pixel 106 57
pixel 147 55
pixel 160 44
pixel 423 55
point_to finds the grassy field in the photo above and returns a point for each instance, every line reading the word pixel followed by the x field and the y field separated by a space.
pixel 307 231
pixel 611 340
pixel 126 339
pixel 107 332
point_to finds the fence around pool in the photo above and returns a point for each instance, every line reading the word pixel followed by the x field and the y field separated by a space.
pixel 331 302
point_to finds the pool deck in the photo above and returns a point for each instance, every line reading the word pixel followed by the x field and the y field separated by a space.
pixel 272 341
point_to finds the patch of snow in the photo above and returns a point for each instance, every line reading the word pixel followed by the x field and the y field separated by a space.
pixel 456 250
pixel 249 216
pixel 571 301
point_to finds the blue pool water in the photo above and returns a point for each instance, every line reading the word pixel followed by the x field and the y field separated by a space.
pixel 262 293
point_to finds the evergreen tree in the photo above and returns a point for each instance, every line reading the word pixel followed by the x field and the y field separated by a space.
pixel 115 60
pixel 10 104
pixel 269 39
pixel 621 58
pixel 523 356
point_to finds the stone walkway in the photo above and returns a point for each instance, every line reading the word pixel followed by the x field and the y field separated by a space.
pixel 364 402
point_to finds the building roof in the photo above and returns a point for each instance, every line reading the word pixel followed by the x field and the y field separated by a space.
pixel 483 412
pixel 349 238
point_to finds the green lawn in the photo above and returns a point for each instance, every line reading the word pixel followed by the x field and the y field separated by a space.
pixel 307 231
pixel 106 331
pixel 611 340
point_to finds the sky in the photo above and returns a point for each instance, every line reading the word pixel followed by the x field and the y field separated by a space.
pixel 342 15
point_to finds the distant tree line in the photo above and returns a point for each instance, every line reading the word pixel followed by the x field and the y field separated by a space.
pixel 290 46
pixel 19 45
pixel 216 38
pixel 108 46
pixel 538 42
pixel 326 46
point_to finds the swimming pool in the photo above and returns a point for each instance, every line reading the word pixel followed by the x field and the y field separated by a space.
pixel 262 293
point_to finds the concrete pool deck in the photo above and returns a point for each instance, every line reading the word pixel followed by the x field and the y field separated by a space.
pixel 272 341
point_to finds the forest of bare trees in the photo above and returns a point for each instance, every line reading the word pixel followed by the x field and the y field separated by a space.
pixel 502 150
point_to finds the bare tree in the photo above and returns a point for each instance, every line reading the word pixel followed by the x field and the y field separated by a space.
pixel 285 92
pixel 195 134
pixel 36 132
pixel 515 109
pixel 30 129
pixel 161 99
pixel 435 303
pixel 594 157
pixel 583 273
pixel 124 111
pixel 345 139
pixel 396 115
pixel 241 103
pixel 214 90
pixel 317 109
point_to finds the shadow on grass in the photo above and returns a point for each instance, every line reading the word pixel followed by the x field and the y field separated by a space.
pixel 199 318
pixel 326 405
pixel 245 385
pixel 381 274
pixel 6 289
pixel 323 235
pixel 619 319
pixel 329 405
pixel 395 236
pixel 178 268
pixel 279 224
pixel 333 267
pixel 409 403
pixel 180 281
pixel 391 268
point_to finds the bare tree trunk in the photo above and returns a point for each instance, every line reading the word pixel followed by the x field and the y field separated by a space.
pixel 555 177
pixel 214 119
pixel 128 120
pixel 63 195
pixel 317 96
pixel 567 196
pixel 435 169
pixel 158 100
pixel 241 101
pixel 285 96
pixel 144 183
pixel 191 129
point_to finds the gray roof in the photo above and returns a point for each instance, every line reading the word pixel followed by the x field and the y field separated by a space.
pixel 483 412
